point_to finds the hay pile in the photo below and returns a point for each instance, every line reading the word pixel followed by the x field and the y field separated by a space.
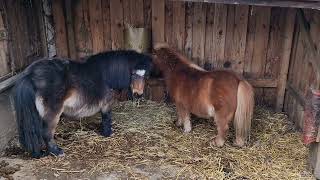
pixel 146 144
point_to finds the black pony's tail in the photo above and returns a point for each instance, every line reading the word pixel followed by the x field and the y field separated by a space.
pixel 30 124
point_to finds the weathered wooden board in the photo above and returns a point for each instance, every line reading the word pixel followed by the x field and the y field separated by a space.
pixel 116 15
pixel 4 56
pixel 178 29
pixel 60 28
pixel 198 32
pixel 106 24
pixel 96 25
pixel 219 34
pixel 158 20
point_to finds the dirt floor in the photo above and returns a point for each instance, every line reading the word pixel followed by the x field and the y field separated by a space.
pixel 147 145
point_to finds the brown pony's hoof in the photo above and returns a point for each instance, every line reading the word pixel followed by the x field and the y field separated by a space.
pixel 239 143
pixel 218 142
pixel 178 123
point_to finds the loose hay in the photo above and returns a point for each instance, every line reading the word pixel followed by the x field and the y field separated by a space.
pixel 146 144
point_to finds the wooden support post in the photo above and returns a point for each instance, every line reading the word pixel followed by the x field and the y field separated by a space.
pixel 314 56
pixel 314 149
pixel 285 57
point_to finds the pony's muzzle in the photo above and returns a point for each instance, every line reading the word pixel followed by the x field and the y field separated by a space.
pixel 137 86
pixel 137 96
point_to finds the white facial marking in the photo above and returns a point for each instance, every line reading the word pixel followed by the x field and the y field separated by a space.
pixel 140 72
pixel 40 106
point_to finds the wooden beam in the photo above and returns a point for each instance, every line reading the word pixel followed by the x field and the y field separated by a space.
pixel 263 83
pixel 6 84
pixel 258 83
pixel 310 4
pixel 285 57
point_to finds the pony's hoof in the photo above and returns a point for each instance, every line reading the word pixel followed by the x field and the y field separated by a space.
pixel 178 123
pixel 187 130
pixel 239 143
pixel 39 155
pixel 56 151
pixel 106 133
pixel 217 142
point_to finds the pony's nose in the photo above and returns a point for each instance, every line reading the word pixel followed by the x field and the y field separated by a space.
pixel 136 95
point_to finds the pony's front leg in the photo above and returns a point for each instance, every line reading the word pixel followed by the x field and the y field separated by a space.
pixel 106 122
pixel 51 120
pixel 183 119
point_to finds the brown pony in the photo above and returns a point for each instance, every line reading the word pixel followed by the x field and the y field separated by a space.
pixel 221 95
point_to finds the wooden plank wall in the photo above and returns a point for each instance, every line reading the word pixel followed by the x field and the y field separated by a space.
pixel 246 39
pixel 22 40
pixel 302 75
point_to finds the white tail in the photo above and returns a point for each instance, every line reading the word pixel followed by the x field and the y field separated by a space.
pixel 244 112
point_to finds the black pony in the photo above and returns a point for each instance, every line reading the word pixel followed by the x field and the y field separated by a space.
pixel 55 86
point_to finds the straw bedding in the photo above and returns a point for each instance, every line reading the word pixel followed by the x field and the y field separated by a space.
pixel 146 144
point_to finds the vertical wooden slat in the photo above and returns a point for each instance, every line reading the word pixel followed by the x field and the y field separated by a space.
pixel 250 42
pixel 285 57
pixel 229 35
pixel 106 24
pixel 87 37
pixel 291 75
pixel 38 5
pixel 137 13
pixel 70 29
pixel 179 24
pixel 261 41
pixel 277 19
pixel 60 28
pixel 147 14
pixel 116 15
pixel 198 32
pixel 78 27
pixel 169 23
pixel 82 28
pixel 96 25
pixel 239 37
pixel 126 12
pixel 209 64
pixel 4 56
pixel 260 46
pixel 188 41
pixel 158 18
pixel 219 34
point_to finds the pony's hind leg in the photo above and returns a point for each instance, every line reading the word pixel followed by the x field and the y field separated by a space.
pixel 106 119
pixel 183 119
pixel 51 119
pixel 222 123
pixel 106 122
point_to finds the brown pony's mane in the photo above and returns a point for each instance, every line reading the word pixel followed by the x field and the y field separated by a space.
pixel 173 58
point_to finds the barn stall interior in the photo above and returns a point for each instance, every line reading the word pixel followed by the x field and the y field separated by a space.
pixel 273 44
